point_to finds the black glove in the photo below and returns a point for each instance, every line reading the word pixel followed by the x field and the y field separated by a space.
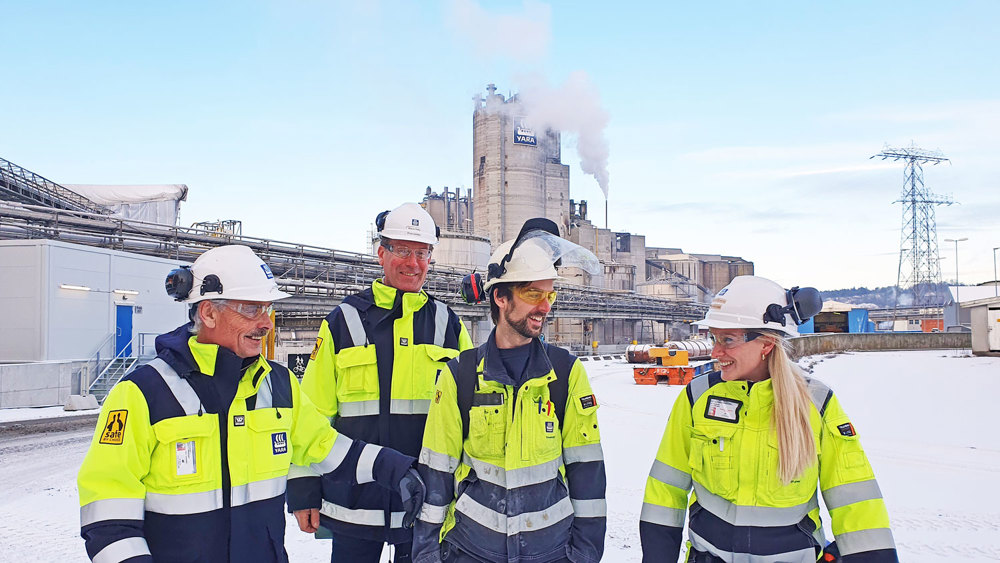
pixel 411 490
pixel 831 554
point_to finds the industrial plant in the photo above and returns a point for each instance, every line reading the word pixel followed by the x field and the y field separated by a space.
pixel 89 262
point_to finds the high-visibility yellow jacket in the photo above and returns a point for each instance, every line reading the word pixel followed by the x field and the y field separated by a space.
pixel 190 456
pixel 521 486
pixel 720 441
pixel 372 373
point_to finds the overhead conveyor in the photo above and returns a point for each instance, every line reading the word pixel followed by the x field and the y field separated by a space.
pixel 24 186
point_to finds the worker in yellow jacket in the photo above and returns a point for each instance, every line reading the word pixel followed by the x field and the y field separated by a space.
pixel 512 452
pixel 752 441
pixel 372 374
pixel 191 452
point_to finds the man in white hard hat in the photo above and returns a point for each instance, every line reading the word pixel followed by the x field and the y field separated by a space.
pixel 372 373
pixel 512 456
pixel 191 453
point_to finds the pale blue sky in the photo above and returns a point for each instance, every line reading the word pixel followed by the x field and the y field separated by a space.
pixel 737 128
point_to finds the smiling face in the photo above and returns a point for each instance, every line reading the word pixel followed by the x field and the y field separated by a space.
pixel 224 326
pixel 521 321
pixel 738 359
pixel 405 274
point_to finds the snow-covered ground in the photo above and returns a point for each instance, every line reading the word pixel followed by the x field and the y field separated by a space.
pixel 927 419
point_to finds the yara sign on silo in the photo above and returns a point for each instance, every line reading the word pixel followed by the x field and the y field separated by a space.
pixel 523 135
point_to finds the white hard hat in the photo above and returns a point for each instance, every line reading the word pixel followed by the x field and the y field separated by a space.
pixel 407 222
pixel 232 272
pixel 752 302
pixel 529 262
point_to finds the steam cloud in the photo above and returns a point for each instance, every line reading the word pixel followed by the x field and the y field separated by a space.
pixel 522 36
pixel 575 108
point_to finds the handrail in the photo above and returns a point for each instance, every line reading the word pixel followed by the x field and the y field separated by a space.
pixel 94 359
pixel 119 356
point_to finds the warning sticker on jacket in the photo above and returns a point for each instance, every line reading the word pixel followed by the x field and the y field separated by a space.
pixel 114 430
pixel 847 429
pixel 319 343
pixel 186 458
pixel 721 408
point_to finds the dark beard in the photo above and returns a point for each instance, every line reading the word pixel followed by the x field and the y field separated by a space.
pixel 521 326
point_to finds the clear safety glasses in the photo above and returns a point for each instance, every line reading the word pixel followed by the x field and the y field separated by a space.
pixel 404 252
pixel 250 310
pixel 731 341
pixel 533 296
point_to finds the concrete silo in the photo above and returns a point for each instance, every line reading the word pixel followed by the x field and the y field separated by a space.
pixel 517 170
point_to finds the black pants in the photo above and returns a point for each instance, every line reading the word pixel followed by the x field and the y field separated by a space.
pixel 353 550
pixel 452 554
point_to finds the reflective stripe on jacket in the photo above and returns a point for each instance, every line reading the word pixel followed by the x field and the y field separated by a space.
pixel 190 457
pixel 372 373
pixel 720 442
pixel 520 487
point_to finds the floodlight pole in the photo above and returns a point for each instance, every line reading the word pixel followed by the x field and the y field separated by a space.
pixel 995 248
pixel 956 241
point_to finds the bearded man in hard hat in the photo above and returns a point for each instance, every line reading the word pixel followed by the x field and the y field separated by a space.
pixel 191 453
pixel 512 456
pixel 372 373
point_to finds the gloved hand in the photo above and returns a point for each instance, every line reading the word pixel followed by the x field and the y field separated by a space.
pixel 412 490
pixel 831 554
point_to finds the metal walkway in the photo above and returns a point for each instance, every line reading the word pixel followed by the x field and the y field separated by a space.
pixel 18 184
pixel 316 277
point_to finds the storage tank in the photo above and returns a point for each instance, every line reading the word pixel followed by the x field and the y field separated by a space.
pixel 697 349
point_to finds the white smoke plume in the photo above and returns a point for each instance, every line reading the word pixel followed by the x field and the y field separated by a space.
pixel 574 108
pixel 522 35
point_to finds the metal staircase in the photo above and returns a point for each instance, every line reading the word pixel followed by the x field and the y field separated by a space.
pixel 136 353
pixel 24 186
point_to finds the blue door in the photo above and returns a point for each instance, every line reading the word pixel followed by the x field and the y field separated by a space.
pixel 123 329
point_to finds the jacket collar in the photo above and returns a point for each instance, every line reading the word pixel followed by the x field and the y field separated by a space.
pixel 185 354
pixel 388 298
pixel 494 370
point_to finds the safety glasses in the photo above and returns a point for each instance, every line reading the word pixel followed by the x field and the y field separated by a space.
pixel 250 310
pixel 533 296
pixel 730 341
pixel 404 252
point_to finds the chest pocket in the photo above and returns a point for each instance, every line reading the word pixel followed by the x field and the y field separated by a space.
pixel 545 425
pixel 186 453
pixel 357 374
pixel 713 458
pixel 270 441
pixel 487 432
pixel 852 465
pixel 800 490
pixel 428 362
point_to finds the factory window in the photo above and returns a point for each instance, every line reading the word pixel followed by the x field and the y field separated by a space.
pixel 623 242
pixel 482 164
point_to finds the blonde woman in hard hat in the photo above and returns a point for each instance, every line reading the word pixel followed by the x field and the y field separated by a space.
pixel 753 440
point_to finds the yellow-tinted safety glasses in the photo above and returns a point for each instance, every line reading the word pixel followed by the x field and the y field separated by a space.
pixel 533 296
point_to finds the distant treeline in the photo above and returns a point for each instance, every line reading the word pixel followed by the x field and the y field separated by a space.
pixel 881 297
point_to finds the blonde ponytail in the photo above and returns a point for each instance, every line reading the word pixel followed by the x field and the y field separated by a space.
pixel 796 446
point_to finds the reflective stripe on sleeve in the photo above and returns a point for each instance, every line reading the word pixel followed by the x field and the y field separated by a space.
pixel 589 508
pixel 432 513
pixel 112 509
pixel 670 475
pixel 354 326
pixel 366 464
pixel 179 387
pixel 298 471
pixel 258 490
pixel 738 515
pixel 437 461
pixel 819 393
pixel 122 550
pixel 578 454
pixel 805 555
pixel 865 540
pixel 850 493
pixel 358 408
pixel 360 516
pixel 512 525
pixel 190 503
pixel 440 323
pixel 341 446
pixel 409 406
pixel 513 478
pixel 662 515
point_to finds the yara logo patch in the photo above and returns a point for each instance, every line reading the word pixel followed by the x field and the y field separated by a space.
pixel 279 443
